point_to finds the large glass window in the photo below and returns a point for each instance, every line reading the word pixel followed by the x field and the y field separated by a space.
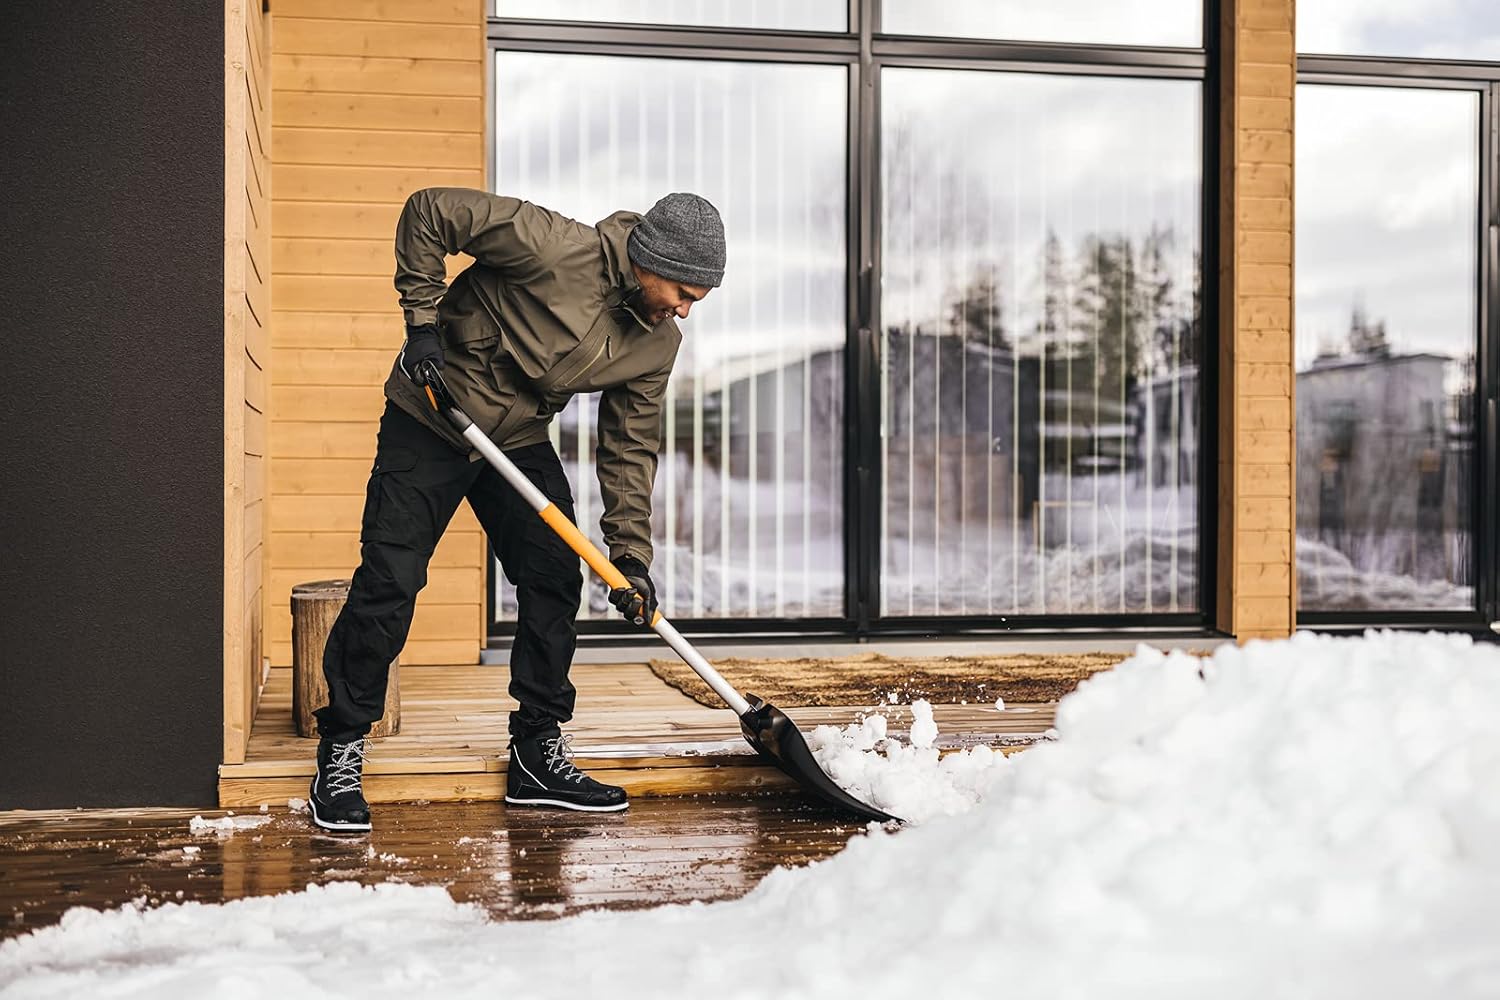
pixel 957 368
pixel 1431 29
pixel 1387 270
pixel 749 508
pixel 783 15
pixel 1102 22
pixel 1040 343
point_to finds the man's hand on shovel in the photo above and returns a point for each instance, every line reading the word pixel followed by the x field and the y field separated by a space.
pixel 638 601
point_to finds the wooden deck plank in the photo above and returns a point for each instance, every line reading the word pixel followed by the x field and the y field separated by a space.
pixel 630 728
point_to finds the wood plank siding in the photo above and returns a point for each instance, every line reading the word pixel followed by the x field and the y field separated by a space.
pixel 1257 433
pixel 247 361
pixel 374 100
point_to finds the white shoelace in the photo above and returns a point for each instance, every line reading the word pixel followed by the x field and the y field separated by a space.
pixel 344 767
pixel 560 759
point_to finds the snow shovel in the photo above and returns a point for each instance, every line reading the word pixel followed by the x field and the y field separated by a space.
pixel 765 726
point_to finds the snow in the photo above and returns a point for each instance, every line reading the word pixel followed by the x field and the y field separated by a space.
pixel 226 826
pixel 1314 817
pixel 906 779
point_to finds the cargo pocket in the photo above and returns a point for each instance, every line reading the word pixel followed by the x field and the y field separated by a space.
pixel 555 484
pixel 383 519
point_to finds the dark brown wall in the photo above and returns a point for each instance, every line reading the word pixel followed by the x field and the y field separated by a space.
pixel 111 403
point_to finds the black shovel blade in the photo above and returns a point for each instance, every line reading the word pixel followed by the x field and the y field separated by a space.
pixel 769 731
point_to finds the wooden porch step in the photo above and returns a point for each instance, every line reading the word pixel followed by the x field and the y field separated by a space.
pixel 630 729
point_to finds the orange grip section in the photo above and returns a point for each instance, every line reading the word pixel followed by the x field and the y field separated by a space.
pixel 586 549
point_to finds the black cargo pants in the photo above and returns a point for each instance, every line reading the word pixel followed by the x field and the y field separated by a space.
pixel 415 488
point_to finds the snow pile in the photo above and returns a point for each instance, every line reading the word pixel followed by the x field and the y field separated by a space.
pixel 909 780
pixel 226 826
pixel 1328 580
pixel 1317 817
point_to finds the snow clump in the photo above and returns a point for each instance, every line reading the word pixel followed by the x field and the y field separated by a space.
pixel 226 826
pixel 909 780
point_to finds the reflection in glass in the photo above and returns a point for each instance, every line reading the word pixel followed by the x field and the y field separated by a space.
pixel 1433 29
pixel 748 505
pixel 1040 344
pixel 780 15
pixel 1169 23
pixel 1387 204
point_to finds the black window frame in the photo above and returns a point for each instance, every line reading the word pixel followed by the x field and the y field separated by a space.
pixel 865 51
pixel 1483 79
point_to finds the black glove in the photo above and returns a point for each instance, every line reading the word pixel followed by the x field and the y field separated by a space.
pixel 423 343
pixel 638 601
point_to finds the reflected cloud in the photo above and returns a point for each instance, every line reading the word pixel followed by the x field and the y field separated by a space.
pixel 1433 29
pixel 1387 208
pixel 589 135
pixel 1105 22
pixel 785 15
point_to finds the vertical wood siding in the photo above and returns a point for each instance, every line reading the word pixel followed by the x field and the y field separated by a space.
pixel 1257 437
pixel 373 100
pixel 247 349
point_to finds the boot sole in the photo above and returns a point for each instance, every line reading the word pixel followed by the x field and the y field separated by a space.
pixel 318 821
pixel 559 804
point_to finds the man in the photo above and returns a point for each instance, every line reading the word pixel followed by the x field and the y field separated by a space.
pixel 549 308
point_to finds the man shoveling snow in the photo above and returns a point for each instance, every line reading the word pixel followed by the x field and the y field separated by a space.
pixel 549 308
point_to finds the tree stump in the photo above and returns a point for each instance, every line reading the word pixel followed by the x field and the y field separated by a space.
pixel 315 606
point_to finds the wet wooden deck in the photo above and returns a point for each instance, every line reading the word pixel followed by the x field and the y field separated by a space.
pixel 516 863
pixel 630 729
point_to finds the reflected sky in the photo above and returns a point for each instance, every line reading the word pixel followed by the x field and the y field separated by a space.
pixel 1439 29
pixel 980 167
pixel 764 142
pixel 786 15
pixel 1387 209
pixel 1103 22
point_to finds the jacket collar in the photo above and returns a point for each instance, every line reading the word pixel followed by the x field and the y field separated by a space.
pixel 614 231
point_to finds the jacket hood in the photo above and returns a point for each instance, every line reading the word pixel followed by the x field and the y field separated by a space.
pixel 614 231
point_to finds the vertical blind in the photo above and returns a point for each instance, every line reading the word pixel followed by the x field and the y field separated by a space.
pixel 748 501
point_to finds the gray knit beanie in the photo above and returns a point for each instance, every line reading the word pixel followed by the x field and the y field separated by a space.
pixel 681 238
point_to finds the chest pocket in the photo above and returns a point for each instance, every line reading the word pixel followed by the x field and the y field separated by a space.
pixel 597 345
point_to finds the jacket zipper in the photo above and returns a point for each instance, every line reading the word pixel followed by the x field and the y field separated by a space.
pixel 586 365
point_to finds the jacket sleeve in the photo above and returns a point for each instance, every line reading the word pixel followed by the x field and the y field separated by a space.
pixel 629 435
pixel 506 234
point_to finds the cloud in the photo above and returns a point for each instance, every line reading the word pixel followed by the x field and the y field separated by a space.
pixel 1445 29
pixel 1387 205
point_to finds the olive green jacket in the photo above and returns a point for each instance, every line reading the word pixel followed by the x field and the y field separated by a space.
pixel 548 309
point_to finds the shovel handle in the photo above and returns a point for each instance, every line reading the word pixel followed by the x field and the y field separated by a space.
pixel 442 402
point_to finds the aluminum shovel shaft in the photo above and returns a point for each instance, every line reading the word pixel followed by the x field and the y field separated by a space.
pixel 580 544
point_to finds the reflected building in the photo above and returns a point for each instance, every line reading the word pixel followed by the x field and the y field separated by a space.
pixel 1381 469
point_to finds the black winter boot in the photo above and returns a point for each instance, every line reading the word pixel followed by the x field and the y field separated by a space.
pixel 541 773
pixel 335 798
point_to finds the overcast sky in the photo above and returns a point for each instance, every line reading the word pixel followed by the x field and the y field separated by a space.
pixel 1449 29
pixel 1453 29
pixel 990 163
pixel 1387 210
pixel 1386 185
pixel 765 143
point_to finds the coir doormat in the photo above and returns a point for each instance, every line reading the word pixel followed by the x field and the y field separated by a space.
pixel 873 678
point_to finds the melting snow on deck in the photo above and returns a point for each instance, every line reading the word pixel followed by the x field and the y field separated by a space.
pixel 1313 817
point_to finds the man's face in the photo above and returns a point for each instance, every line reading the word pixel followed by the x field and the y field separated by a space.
pixel 663 297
